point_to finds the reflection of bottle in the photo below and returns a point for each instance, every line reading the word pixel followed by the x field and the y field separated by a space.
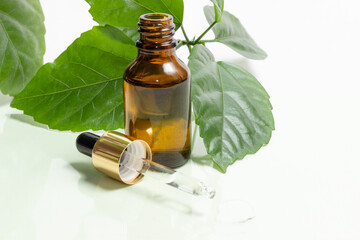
pixel 157 93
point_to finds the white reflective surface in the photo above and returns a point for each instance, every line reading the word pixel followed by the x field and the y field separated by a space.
pixel 50 191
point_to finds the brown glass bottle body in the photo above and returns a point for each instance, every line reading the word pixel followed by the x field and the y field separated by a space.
pixel 157 93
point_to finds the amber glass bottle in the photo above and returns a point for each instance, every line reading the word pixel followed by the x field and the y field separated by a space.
pixel 157 93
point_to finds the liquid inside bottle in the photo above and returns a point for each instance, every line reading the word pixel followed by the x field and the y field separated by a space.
pixel 157 93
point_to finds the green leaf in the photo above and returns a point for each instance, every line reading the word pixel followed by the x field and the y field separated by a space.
pixel 82 89
pixel 22 43
pixel 126 13
pixel 218 9
pixel 231 33
pixel 231 108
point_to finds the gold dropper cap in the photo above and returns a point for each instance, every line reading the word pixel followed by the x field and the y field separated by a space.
pixel 107 152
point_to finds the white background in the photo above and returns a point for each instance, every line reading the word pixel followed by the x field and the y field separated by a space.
pixel 304 185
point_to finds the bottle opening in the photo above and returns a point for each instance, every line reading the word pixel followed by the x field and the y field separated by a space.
pixel 156 16
pixel 156 31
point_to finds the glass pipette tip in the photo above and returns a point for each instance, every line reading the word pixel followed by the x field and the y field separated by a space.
pixel 168 176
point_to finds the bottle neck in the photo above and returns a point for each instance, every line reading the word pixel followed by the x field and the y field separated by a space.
pixel 158 53
pixel 156 33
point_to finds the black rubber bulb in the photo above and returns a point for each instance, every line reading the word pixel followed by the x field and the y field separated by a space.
pixel 85 143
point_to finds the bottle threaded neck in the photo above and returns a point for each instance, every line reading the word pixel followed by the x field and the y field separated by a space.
pixel 156 31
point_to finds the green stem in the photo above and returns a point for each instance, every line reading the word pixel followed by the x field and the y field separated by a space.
pixel 186 37
pixel 207 41
pixel 194 136
pixel 180 44
pixel 208 29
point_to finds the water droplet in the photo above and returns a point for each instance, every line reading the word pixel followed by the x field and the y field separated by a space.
pixel 235 211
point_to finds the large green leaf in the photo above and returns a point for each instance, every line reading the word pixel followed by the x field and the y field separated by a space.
pixel 82 89
pixel 126 13
pixel 218 9
pixel 231 33
pixel 22 43
pixel 231 108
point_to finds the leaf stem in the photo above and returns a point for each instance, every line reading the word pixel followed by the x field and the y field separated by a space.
pixel 192 43
pixel 186 37
pixel 208 29
pixel 206 41
pixel 180 44
pixel 194 136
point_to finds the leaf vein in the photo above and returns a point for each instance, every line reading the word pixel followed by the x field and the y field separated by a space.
pixel 65 90
pixel 82 106
pixel 20 24
pixel 91 69
pixel 14 49
pixel 223 107
pixel 170 11
pixel 247 97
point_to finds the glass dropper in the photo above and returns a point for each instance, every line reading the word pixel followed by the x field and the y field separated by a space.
pixel 128 160
pixel 168 176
